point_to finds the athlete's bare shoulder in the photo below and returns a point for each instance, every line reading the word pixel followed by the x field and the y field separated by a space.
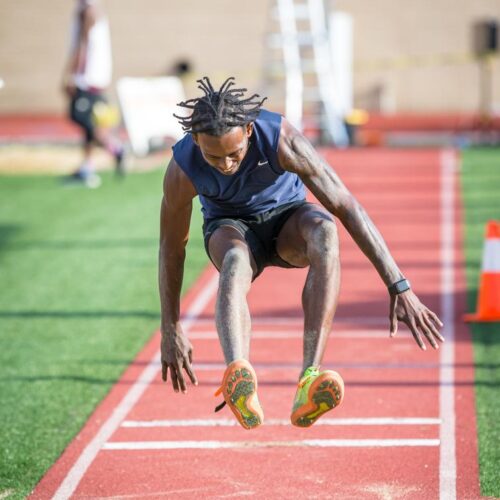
pixel 287 134
pixel 295 152
pixel 177 187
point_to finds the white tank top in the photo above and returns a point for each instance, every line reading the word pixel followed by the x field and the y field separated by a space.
pixel 97 66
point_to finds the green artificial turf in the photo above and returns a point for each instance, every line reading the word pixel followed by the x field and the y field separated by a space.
pixel 481 194
pixel 78 300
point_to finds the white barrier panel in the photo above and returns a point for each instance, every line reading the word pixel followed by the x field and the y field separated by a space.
pixel 341 33
pixel 147 106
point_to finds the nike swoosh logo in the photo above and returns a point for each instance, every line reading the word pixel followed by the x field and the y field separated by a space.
pixel 260 163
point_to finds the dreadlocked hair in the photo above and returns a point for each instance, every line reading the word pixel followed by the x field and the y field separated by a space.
pixel 216 112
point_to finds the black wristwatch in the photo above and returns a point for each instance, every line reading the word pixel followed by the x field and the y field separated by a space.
pixel 399 287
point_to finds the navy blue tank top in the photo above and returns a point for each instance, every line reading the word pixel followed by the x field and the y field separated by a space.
pixel 260 183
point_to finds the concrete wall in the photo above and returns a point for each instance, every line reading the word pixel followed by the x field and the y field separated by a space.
pixel 223 38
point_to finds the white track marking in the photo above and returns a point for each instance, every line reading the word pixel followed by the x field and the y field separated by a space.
pixel 226 422
pixel 88 455
pixel 284 320
pixel 321 443
pixel 218 366
pixel 298 334
pixel 447 458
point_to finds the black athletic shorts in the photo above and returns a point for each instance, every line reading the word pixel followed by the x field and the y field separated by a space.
pixel 81 107
pixel 260 232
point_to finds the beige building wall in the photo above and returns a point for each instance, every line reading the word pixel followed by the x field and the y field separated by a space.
pixel 417 53
pixel 400 48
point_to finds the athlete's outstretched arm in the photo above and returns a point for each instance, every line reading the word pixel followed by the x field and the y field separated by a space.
pixel 297 155
pixel 175 217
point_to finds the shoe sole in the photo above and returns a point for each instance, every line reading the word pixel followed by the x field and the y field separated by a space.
pixel 325 394
pixel 240 393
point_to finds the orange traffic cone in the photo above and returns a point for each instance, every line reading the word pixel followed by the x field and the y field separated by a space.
pixel 488 299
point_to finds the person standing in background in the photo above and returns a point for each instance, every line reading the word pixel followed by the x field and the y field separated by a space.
pixel 86 77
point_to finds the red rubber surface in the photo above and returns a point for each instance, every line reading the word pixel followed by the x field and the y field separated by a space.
pixel 383 377
pixel 48 126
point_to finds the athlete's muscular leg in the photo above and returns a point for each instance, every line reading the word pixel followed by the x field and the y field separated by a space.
pixel 230 253
pixel 310 237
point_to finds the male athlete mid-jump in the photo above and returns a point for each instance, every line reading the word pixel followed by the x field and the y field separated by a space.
pixel 249 167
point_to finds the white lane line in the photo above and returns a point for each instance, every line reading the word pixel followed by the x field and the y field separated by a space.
pixel 284 320
pixel 298 334
pixel 321 443
pixel 447 457
pixel 88 455
pixel 226 422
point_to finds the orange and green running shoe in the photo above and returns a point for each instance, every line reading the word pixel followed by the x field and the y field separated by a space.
pixel 239 389
pixel 317 393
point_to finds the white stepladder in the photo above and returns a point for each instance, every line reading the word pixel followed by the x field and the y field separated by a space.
pixel 302 48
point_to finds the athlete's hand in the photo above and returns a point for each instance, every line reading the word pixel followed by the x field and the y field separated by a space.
pixel 406 307
pixel 176 356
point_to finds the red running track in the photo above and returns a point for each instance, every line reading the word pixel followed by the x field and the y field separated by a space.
pixel 407 427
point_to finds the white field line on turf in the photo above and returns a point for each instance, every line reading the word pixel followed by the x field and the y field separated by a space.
pixel 298 334
pixel 317 443
pixel 87 456
pixel 226 422
pixel 447 455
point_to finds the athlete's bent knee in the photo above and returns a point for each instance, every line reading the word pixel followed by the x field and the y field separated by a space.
pixel 324 240
pixel 236 263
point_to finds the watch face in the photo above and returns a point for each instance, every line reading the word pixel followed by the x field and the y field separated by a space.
pixel 399 287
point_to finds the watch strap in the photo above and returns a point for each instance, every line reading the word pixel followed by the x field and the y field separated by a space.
pixel 399 287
